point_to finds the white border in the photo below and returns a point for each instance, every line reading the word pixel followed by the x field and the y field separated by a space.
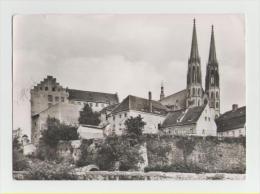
pixel 251 11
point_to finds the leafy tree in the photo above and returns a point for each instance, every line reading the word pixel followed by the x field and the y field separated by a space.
pixel 57 131
pixel 116 149
pixel 88 117
pixel 135 126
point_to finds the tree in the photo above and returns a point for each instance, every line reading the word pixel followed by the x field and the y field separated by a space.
pixel 116 149
pixel 88 117
pixel 57 131
pixel 135 126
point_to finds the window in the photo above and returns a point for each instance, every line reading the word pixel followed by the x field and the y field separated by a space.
pixel 57 99
pixel 199 91
pixel 46 88
pixel 212 80
pixel 216 94
pixel 193 91
pixel 205 118
pixel 114 118
pixel 62 99
pixel 212 95
pixel 96 104
pixel 53 89
pixel 199 103
pixel 125 114
pixel 216 104
pixel 203 131
pixel 120 116
pixel 50 98
pixel 40 88
pixel 208 119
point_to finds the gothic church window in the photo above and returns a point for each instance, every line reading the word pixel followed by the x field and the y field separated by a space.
pixel 212 95
pixel 212 80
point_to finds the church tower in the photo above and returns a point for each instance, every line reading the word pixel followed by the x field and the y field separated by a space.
pixel 194 85
pixel 162 92
pixel 212 77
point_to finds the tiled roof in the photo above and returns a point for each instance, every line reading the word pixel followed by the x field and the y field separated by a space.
pixel 230 120
pixel 109 108
pixel 89 96
pixel 140 104
pixel 176 98
pixel 183 116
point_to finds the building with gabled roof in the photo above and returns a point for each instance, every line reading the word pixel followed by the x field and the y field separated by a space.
pixel 197 120
pixel 49 98
pixel 232 123
pixel 152 112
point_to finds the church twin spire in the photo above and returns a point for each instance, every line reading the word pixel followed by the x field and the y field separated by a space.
pixel 194 53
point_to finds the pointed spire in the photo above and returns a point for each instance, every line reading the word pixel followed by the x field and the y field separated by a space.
pixel 194 53
pixel 162 91
pixel 212 49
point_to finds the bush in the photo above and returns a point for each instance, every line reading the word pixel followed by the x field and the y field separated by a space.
pixel 20 162
pixel 110 152
pixel 46 170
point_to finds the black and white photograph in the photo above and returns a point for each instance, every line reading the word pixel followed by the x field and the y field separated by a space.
pixel 129 97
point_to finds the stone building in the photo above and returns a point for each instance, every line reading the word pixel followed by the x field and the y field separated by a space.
pixel 232 123
pixel 194 94
pixel 197 120
pixel 152 112
pixel 50 99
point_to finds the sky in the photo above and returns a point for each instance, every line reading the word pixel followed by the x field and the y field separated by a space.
pixel 123 53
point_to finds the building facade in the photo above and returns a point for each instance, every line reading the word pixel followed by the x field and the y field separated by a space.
pixel 50 99
pixel 152 112
pixel 198 121
pixel 232 123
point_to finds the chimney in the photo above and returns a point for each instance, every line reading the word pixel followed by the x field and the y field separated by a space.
pixel 150 102
pixel 234 107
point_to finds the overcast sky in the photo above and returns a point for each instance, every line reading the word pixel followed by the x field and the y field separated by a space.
pixel 127 54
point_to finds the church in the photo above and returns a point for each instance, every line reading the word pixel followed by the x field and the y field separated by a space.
pixel 194 94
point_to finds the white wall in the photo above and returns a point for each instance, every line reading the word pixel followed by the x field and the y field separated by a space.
pixel 233 133
pixel 206 125
pixel 151 120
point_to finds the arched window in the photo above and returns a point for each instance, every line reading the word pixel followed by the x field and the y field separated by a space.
pixel 193 91
pixel 199 91
pixel 212 94
pixel 193 73
pixel 199 103
pixel 216 94
pixel 212 80
pixel 217 104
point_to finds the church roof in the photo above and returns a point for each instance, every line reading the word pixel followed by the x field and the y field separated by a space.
pixel 183 116
pixel 176 98
pixel 90 96
pixel 230 120
pixel 140 104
